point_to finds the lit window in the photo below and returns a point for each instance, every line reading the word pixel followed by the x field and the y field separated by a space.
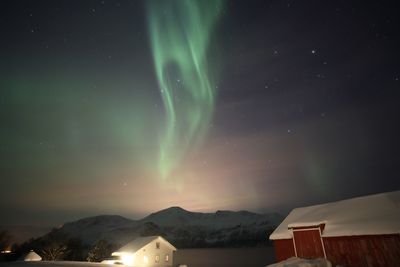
pixel 166 257
pixel 158 245
pixel 157 258
pixel 145 259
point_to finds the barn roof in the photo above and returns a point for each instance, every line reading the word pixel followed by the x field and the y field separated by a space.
pixel 140 242
pixel 368 215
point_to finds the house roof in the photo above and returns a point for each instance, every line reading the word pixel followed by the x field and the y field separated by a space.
pixel 367 215
pixel 31 256
pixel 140 242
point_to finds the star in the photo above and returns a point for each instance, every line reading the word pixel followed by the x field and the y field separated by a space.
pixel 128 94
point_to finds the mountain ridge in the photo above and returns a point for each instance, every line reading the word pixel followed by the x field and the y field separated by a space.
pixel 182 227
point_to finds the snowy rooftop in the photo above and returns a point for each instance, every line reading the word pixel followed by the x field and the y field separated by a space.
pixel 140 242
pixel 368 215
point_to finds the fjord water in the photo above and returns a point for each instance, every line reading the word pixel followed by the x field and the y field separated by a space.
pixel 225 257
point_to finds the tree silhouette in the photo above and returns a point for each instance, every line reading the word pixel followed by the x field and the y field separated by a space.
pixel 5 239
pixel 100 250
pixel 55 246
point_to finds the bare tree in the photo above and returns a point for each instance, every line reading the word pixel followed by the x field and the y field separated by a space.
pixel 54 247
pixel 54 252
pixel 100 250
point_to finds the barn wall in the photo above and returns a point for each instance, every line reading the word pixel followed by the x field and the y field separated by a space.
pixel 308 243
pixel 369 251
pixel 283 249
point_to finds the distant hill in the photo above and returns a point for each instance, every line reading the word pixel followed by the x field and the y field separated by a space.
pixel 176 216
pixel 181 227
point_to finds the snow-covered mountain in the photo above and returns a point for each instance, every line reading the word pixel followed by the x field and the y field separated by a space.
pixel 108 227
pixel 176 216
pixel 182 227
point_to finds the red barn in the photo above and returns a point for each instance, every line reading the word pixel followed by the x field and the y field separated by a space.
pixel 362 231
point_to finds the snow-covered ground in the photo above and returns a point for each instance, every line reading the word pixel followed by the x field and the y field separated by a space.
pixel 53 264
pixel 292 262
pixel 208 257
pixel 297 262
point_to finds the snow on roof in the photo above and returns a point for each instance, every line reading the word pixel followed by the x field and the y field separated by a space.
pixel 31 256
pixel 139 243
pixel 367 215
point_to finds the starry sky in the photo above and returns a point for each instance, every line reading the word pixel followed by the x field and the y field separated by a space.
pixel 128 107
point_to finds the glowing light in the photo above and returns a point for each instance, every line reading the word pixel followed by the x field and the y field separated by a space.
pixel 180 34
pixel 7 250
pixel 145 259
pixel 128 259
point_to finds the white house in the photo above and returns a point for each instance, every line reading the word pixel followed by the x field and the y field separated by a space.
pixel 147 251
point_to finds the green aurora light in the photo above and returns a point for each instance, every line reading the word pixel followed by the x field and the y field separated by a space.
pixel 180 36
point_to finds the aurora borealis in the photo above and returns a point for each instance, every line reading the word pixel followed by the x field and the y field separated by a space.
pixel 129 107
pixel 180 32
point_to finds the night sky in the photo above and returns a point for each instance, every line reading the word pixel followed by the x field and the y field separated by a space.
pixel 128 107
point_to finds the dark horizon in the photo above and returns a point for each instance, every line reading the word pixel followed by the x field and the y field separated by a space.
pixel 128 107
pixel 77 217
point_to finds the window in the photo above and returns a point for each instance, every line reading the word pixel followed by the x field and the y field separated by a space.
pixel 157 258
pixel 158 245
pixel 166 257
